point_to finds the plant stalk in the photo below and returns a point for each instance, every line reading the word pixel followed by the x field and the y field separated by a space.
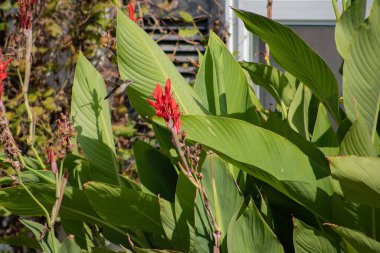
pixel 31 194
pixel 336 9
pixel 25 88
pixel 198 184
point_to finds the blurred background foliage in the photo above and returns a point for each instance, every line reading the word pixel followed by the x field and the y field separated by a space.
pixel 62 28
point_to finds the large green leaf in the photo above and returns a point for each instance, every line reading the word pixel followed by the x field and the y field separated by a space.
pixel 69 246
pixel 348 24
pixel 357 141
pixel 178 218
pixel 310 240
pixel 250 233
pixel 143 61
pixel 156 172
pixel 358 240
pixel 21 239
pixel 224 199
pixel 267 156
pixel 298 116
pixel 140 250
pixel 92 121
pixel 222 85
pixel 75 205
pixel 139 210
pixel 324 136
pixel 359 178
pixel 296 57
pixel 271 79
pixel 49 244
pixel 361 79
pixel 278 126
pixel 222 192
pixel 360 217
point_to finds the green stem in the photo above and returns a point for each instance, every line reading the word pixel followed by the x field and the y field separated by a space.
pixel 25 89
pixel 30 193
pixel 25 86
pixel 336 9
pixel 37 156
pixel 284 110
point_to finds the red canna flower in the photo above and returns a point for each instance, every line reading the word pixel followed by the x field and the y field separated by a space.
pixel 3 75
pixel 166 106
pixel 131 9
pixel 25 12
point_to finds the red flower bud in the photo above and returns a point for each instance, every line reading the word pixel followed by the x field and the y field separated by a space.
pixel 53 163
pixel 25 12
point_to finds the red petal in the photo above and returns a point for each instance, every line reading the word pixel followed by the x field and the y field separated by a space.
pixel 168 86
pixel 131 12
pixel 6 62
pixel 3 76
pixel 157 93
pixel 152 103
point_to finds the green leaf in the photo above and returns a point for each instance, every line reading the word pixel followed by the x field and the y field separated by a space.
pixel 187 17
pixel 296 57
pixel 17 201
pixel 22 240
pixel 357 141
pixel 298 116
pixel 188 32
pixel 222 85
pixel 278 126
pixel 157 174
pixel 359 178
pixel 101 250
pixel 178 219
pixel 37 176
pixel 83 234
pixel 69 246
pixel 310 240
pixel 250 231
pixel 92 121
pixel 140 210
pixel 203 228
pixel 140 250
pixel 355 216
pixel 357 240
pixel 361 79
pixel 143 61
pixel 347 26
pixel 324 136
pixel 267 156
pixel 271 79
pixel 49 244
pixel 223 195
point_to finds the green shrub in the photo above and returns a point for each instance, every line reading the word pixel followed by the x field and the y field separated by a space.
pixel 231 176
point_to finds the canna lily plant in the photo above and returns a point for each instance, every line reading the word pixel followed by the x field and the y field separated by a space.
pixel 226 175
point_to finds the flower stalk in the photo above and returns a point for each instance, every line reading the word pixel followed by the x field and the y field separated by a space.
pixel 168 109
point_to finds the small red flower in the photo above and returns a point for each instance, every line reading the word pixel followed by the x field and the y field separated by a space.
pixel 166 106
pixel 131 9
pixel 3 75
